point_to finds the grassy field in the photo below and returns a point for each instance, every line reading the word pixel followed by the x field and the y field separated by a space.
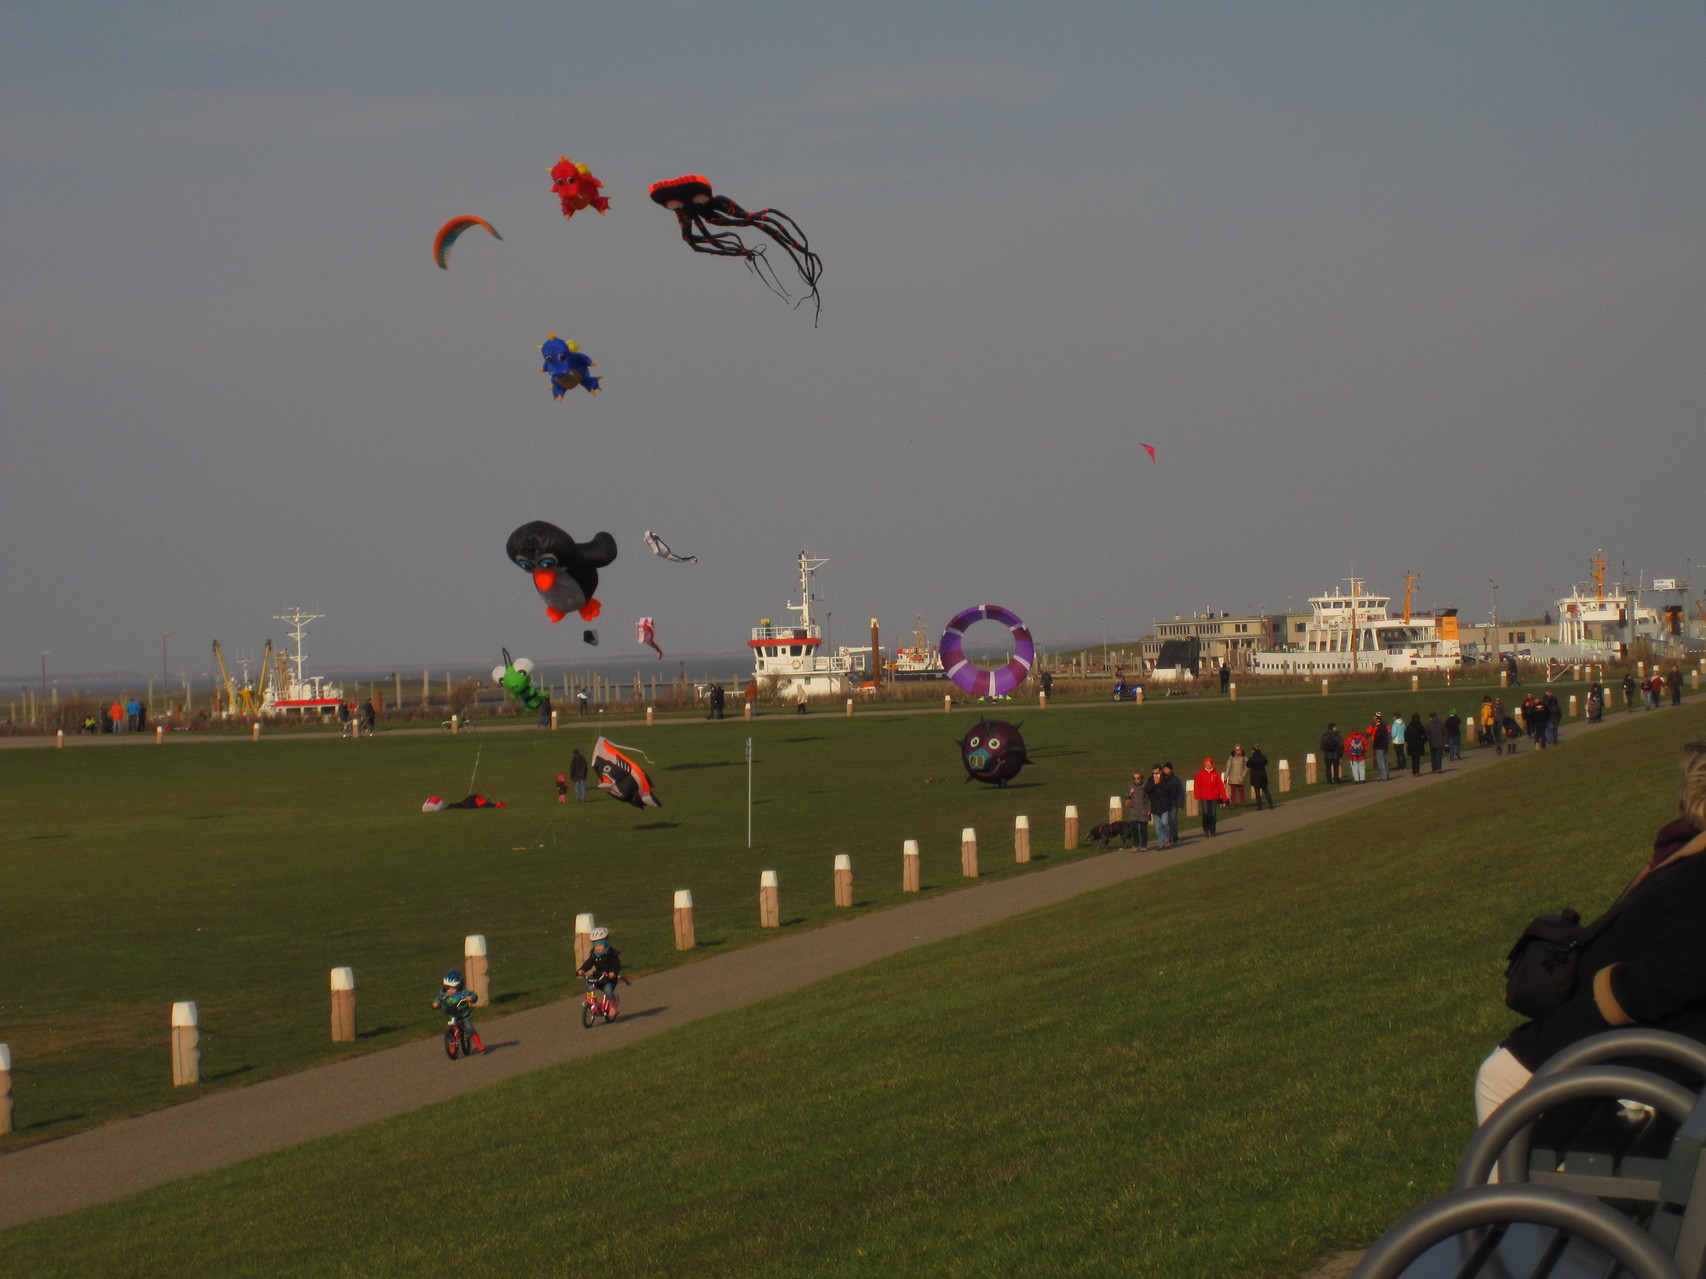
pixel 1230 1068
pixel 237 875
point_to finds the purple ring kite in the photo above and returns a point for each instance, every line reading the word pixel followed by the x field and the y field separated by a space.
pixel 974 679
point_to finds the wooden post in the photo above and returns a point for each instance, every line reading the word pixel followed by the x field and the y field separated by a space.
pixel 343 1005
pixel 909 866
pixel 1191 798
pixel 1448 679
pixel 159 734
pixel 59 739
pixel 1504 679
pixel 553 721
pixel 583 938
pixel 849 708
pixel 255 731
pixel 748 714
pixel 1021 839
pixel 947 703
pixel 1232 690
pixel 1071 827
pixel 769 900
pixel 474 969
pixel 1140 694
pixel 1324 688
pixel 455 723
pixel 968 852
pixel 648 717
pixel 843 880
pixel 1042 701
pixel 1415 683
pixel 1285 775
pixel 1572 705
pixel 1310 773
pixel 186 1045
pixel 5 1089
pixel 685 937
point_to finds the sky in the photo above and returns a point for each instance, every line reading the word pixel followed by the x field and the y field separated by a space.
pixel 1390 288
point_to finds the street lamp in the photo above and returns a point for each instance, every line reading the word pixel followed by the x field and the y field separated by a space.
pixel 44 656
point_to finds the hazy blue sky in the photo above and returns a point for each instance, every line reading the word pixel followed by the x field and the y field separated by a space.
pixel 1390 287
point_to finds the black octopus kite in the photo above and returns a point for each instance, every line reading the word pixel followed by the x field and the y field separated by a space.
pixel 697 208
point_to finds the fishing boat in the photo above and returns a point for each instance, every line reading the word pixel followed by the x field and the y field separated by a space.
pixel 917 661
pixel 295 692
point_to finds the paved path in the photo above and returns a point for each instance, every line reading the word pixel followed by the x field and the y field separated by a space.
pixel 224 1128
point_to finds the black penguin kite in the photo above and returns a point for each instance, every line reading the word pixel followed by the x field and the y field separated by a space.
pixel 565 571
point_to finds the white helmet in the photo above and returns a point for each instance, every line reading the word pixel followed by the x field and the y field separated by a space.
pixel 599 934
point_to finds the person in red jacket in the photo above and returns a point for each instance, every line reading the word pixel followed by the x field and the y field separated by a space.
pixel 1210 792
pixel 1356 751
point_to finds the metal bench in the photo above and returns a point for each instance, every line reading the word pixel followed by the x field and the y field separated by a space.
pixel 1590 1187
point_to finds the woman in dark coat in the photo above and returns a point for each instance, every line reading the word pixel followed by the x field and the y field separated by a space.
pixel 1415 741
pixel 1644 963
pixel 1259 777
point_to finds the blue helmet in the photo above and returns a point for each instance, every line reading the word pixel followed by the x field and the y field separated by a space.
pixel 453 979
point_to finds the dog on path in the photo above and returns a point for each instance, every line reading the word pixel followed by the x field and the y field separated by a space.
pixel 1109 831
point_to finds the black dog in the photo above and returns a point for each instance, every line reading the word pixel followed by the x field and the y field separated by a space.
pixel 1109 831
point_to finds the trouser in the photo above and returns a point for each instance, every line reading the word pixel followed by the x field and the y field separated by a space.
pixel 1438 757
pixel 1166 828
pixel 1235 798
pixel 1332 764
pixel 1500 1076
pixel 1415 761
pixel 1210 808
pixel 1261 790
pixel 1137 830
pixel 1398 751
pixel 580 791
pixel 1381 763
pixel 1359 770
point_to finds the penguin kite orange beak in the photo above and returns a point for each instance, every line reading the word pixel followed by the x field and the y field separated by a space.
pixel 544 578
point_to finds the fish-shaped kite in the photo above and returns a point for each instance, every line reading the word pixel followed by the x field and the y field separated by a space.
pixel 661 548
pixel 620 777
pixel 645 633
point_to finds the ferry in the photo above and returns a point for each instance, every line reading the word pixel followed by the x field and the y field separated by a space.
pixel 298 694
pixel 917 661
pixel 789 661
pixel 1359 632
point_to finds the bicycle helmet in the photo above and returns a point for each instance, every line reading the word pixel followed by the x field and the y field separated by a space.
pixel 599 934
pixel 453 979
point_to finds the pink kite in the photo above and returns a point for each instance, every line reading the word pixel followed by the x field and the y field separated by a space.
pixel 645 634
pixel 1150 448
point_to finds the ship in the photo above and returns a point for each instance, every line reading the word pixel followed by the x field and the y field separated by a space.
pixel 297 693
pixel 917 661
pixel 789 661
pixel 1359 632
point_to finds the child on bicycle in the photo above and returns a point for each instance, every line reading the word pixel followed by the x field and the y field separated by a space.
pixel 603 967
pixel 458 1003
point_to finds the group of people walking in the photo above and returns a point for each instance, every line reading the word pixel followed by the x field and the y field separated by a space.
pixel 1433 740
pixel 1159 797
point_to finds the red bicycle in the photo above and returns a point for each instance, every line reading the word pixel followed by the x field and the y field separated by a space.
pixel 597 1004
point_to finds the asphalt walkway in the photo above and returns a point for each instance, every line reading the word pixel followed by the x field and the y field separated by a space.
pixel 211 1132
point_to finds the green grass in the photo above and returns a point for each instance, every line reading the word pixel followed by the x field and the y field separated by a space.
pixel 237 875
pixel 1227 1069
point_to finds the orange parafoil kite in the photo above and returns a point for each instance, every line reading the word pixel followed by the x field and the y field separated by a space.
pixel 449 233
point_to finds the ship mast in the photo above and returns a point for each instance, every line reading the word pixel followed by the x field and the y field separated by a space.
pixel 1356 632
pixel 299 627
pixel 1598 563
pixel 1410 580
pixel 808 567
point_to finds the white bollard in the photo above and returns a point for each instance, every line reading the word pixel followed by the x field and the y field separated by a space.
pixel 648 717
pixel 947 703
pixel 553 721
pixel 475 976
pixel 1573 711
pixel 909 866
pixel 159 734
pixel 583 938
pixel 255 731
pixel 59 739
pixel 968 852
pixel 186 1045
pixel 343 1005
pixel 1285 775
pixel 1071 827
pixel 1190 798
pixel 1310 773
pixel 1116 809
pixel 685 936
pixel 769 900
pixel 1042 701
pixel 1140 694
pixel 1415 683
pixel 1323 688
pixel 455 723
pixel 843 880
pixel 1232 690
pixel 1021 839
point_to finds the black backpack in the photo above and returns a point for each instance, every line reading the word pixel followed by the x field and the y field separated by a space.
pixel 1540 971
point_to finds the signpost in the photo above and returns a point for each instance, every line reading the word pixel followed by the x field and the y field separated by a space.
pixel 749 792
